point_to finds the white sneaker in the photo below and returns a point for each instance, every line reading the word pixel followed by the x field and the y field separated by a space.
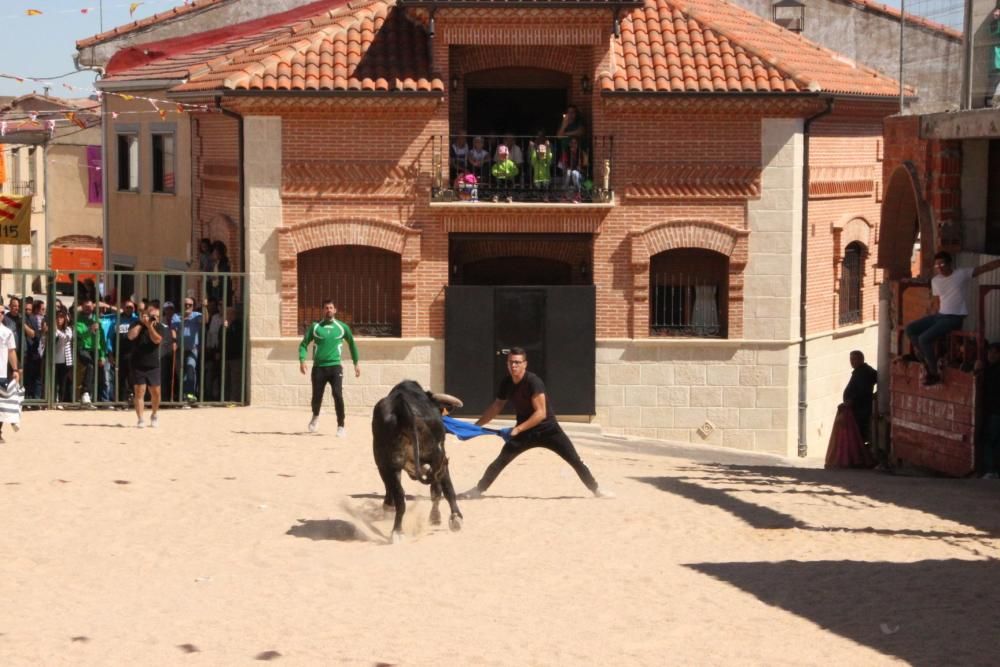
pixel 154 421
pixel 313 424
pixel 471 494
pixel 990 475
pixel 601 493
pixel 85 399
pixel 141 424
pixel 341 433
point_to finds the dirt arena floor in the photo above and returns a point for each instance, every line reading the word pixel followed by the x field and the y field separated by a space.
pixel 231 536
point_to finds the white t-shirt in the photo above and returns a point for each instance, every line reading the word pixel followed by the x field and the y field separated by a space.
pixel 951 290
pixel 7 343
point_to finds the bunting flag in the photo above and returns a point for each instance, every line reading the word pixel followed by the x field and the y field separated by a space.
pixel 131 8
pixel 15 220
pixel 33 12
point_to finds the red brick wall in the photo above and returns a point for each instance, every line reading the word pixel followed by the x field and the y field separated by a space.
pixel 353 167
pixel 845 161
pixel 215 147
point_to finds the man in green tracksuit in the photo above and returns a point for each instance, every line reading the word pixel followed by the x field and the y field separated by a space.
pixel 328 335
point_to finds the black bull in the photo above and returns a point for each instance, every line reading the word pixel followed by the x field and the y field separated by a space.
pixel 408 434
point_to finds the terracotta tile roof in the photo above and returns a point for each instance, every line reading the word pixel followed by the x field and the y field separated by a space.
pixel 332 49
pixel 194 6
pixel 335 51
pixel 911 19
pixel 671 46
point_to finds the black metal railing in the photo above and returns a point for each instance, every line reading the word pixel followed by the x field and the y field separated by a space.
pixel 86 363
pixel 520 168
pixel 20 188
pixel 681 305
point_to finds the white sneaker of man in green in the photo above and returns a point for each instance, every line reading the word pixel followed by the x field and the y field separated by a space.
pixel 313 424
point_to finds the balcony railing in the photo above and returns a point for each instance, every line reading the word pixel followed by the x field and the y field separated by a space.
pixel 20 188
pixel 526 169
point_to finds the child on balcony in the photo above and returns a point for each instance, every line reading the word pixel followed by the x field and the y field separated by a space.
pixel 478 158
pixel 541 166
pixel 459 155
pixel 466 185
pixel 504 172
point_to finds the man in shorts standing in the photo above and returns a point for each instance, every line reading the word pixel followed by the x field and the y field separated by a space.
pixel 328 335
pixel 146 336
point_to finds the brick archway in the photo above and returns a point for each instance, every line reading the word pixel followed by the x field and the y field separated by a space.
pixel 904 214
pixel 313 234
pixel 702 234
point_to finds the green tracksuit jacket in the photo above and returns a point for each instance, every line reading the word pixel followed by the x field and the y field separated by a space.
pixel 328 336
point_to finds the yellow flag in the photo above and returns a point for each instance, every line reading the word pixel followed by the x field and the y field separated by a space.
pixel 15 220
pixel 33 12
pixel 131 8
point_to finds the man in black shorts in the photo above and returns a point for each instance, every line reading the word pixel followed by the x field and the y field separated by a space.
pixel 146 336
pixel 536 426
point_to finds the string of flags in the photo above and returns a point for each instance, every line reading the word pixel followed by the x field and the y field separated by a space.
pixel 132 7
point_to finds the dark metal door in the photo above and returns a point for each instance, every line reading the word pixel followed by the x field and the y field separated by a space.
pixel 468 348
pixel 518 321
pixel 555 325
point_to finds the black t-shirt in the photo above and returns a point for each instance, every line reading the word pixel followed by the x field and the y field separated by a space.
pixel 520 395
pixel 146 353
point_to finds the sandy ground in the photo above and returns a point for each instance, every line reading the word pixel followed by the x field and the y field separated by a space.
pixel 230 536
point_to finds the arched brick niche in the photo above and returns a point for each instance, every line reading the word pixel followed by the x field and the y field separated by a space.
pixel 382 234
pixel 905 214
pixel 695 234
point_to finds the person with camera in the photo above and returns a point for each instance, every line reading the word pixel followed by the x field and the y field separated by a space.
pixel 146 336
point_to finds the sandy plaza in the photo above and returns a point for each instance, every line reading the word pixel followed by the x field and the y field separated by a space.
pixel 231 536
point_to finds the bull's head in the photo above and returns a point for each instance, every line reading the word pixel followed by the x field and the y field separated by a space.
pixel 446 402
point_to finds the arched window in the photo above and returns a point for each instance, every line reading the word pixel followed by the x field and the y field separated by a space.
pixel 851 271
pixel 365 284
pixel 689 293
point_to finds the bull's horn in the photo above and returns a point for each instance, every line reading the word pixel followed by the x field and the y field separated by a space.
pixel 447 399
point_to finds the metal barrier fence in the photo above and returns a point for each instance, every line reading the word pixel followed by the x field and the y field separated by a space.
pixel 76 352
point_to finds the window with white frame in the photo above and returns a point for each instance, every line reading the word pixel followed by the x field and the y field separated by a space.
pixel 128 162
pixel 164 162
pixel 689 293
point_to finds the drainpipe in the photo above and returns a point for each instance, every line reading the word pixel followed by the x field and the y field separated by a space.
pixel 804 275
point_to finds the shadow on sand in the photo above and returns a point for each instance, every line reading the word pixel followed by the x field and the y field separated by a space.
pixel 973 503
pixel 273 433
pixel 931 612
pixel 328 529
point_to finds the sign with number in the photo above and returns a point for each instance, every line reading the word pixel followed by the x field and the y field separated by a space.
pixel 15 220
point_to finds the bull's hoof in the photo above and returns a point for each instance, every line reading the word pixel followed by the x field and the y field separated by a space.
pixel 435 517
pixel 397 536
pixel 455 522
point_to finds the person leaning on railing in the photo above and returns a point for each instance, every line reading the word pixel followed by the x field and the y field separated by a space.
pixel 947 310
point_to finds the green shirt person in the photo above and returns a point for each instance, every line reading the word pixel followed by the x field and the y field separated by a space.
pixel 328 336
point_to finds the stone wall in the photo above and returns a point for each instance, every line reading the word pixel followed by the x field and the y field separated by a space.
pixel 669 389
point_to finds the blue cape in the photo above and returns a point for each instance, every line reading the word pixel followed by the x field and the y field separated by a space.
pixel 466 431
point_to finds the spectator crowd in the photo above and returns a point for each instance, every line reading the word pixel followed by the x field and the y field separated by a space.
pixel 91 353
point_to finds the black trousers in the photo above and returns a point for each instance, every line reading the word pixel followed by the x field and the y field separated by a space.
pixel 321 376
pixel 551 437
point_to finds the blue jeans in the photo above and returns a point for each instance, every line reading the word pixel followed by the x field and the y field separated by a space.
pixel 191 372
pixel 923 333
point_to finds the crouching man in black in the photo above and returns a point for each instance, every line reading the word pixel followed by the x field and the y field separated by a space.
pixel 536 426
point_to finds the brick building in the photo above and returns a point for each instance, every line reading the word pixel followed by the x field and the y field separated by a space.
pixel 733 187
pixel 942 174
